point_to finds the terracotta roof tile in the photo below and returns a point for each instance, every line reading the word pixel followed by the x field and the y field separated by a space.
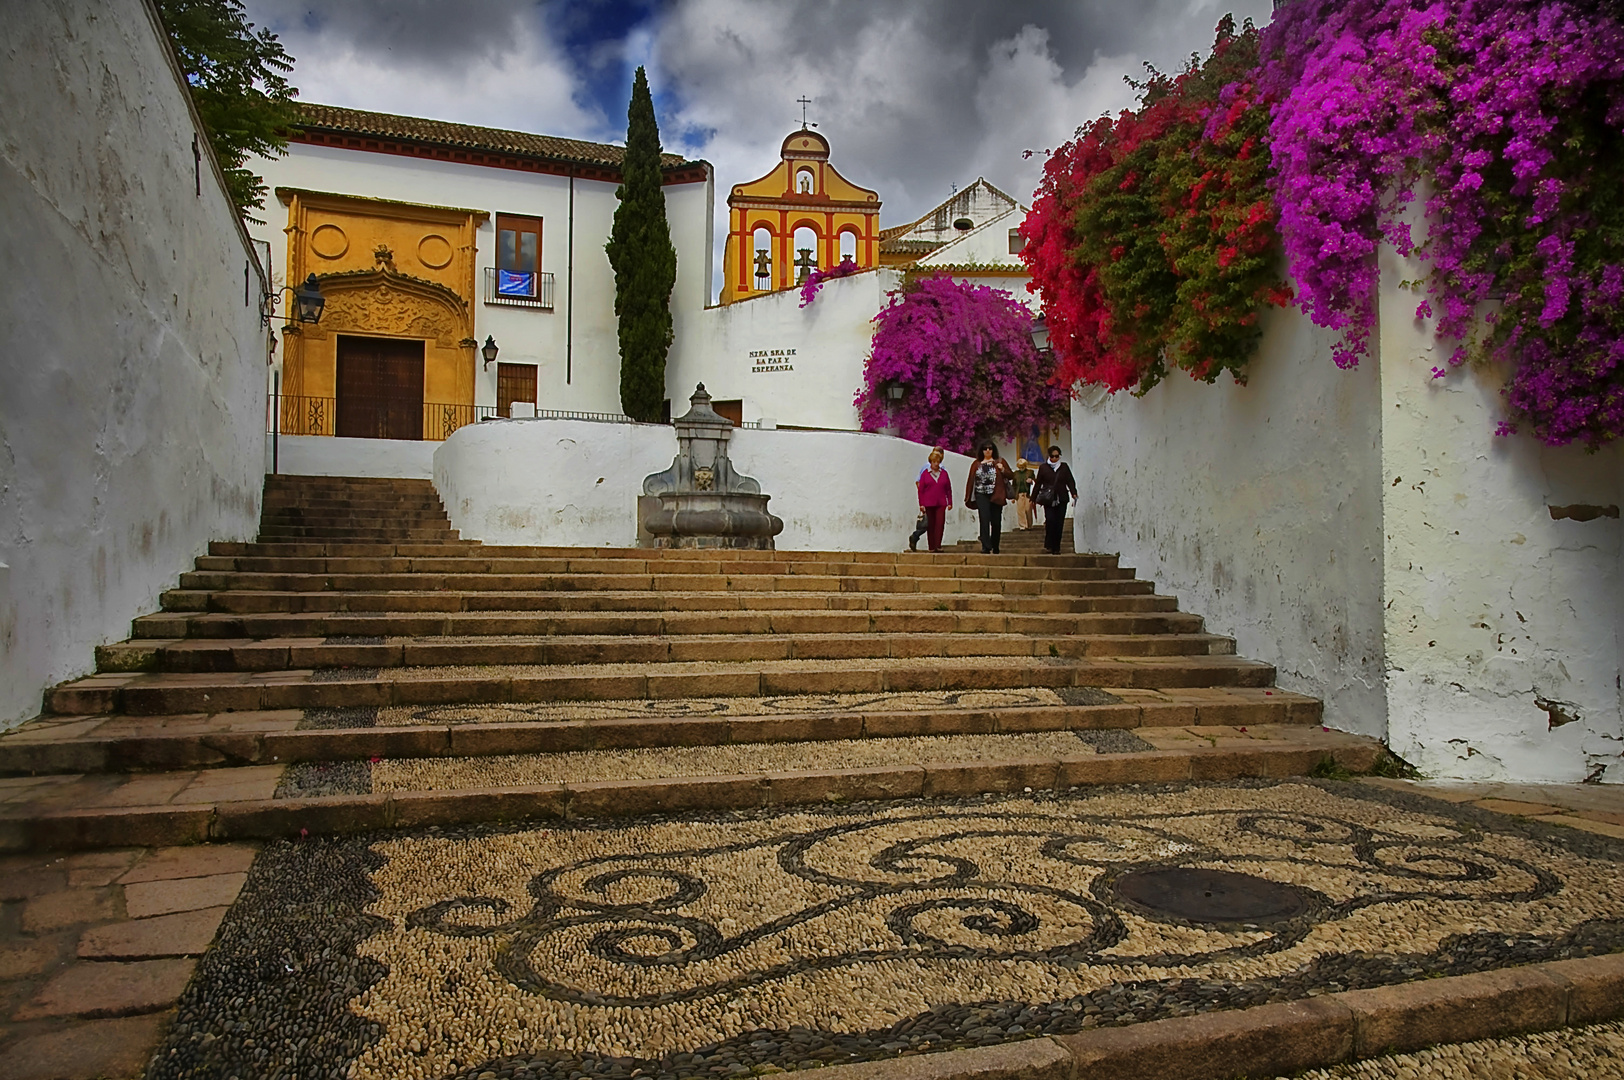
pixel 468 136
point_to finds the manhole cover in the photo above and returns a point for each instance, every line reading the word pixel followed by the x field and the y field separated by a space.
pixel 1209 896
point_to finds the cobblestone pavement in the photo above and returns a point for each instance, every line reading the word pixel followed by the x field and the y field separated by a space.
pixel 406 716
pixel 735 943
pixel 1591 1053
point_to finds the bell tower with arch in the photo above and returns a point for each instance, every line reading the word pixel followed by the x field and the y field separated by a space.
pixel 804 194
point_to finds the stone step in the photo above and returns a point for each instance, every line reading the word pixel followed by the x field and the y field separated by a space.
pixel 348 516
pixel 275 654
pixel 302 482
pixel 447 600
pixel 96 810
pixel 230 582
pixel 663 579
pixel 165 692
pixel 475 550
pixel 476 564
pixel 803 621
pixel 375 529
pixel 123 743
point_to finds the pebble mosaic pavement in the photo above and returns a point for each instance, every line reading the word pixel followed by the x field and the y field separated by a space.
pixel 745 943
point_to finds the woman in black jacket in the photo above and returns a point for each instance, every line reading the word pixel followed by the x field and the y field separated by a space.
pixel 1053 485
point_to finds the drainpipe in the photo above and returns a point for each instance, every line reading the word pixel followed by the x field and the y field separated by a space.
pixel 569 293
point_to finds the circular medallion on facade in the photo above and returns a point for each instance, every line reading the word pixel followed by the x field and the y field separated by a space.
pixel 329 241
pixel 434 251
pixel 1198 895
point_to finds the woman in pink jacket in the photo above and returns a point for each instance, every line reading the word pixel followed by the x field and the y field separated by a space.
pixel 935 497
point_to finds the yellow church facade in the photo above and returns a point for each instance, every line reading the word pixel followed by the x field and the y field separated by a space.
pixel 394 353
pixel 803 192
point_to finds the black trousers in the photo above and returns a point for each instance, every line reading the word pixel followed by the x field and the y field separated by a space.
pixel 1054 519
pixel 992 523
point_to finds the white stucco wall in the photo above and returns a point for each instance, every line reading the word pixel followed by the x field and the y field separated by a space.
pixel 830 337
pixel 325 455
pixel 588 378
pixel 1258 506
pixel 576 482
pixel 1367 533
pixel 1501 621
pixel 132 385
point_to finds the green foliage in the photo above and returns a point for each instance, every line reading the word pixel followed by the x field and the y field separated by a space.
pixel 645 263
pixel 239 84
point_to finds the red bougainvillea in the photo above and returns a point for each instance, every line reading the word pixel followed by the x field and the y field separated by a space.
pixel 1151 237
pixel 964 358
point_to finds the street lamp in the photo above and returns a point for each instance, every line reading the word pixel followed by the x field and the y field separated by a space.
pixel 895 390
pixel 1040 333
pixel 489 350
pixel 308 303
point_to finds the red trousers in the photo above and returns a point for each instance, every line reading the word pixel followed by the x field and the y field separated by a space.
pixel 935 522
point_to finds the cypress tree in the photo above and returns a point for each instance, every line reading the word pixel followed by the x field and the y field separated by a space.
pixel 645 262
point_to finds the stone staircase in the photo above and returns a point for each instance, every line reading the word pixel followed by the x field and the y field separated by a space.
pixel 360 666
pixel 1013 541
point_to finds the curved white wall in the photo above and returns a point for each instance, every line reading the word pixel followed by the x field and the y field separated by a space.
pixel 574 483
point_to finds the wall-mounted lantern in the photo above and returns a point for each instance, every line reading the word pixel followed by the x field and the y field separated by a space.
pixel 895 391
pixel 1040 333
pixel 489 351
pixel 308 303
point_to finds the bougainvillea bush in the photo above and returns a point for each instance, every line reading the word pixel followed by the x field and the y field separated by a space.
pixel 814 281
pixel 1509 115
pixel 963 355
pixel 1151 237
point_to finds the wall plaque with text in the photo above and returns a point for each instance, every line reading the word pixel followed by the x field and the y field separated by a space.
pixel 772 360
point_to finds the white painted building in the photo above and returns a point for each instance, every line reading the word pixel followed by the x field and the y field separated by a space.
pixel 565 186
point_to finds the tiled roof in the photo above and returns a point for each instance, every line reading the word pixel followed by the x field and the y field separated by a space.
pixel 892 245
pixel 467 136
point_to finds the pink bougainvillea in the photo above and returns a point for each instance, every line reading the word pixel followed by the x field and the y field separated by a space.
pixel 964 358
pixel 814 281
pixel 1509 116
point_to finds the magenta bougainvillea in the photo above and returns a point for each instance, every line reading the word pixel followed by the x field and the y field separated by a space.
pixel 814 281
pixel 964 358
pixel 1508 116
pixel 1152 237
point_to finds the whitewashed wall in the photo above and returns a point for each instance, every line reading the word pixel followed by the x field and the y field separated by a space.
pixel 1367 533
pixel 588 380
pixel 575 483
pixel 329 455
pixel 132 385
pixel 1258 506
pixel 820 349
pixel 1505 627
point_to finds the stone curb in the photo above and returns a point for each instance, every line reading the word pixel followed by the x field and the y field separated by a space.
pixel 333 814
pixel 1293 1036
pixel 183 751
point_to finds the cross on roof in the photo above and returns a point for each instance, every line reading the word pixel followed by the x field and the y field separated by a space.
pixel 805 101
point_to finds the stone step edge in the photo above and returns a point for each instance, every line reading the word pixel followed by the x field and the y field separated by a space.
pixel 241 691
pixel 164 826
pixel 1291 1037
pixel 224 655
pixel 160 752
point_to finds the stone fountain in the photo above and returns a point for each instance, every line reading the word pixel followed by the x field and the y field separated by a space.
pixel 704 502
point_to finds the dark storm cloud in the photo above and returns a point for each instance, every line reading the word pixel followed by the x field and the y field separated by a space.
pixel 914 95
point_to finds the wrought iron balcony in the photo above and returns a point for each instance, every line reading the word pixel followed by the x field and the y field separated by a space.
pixel 516 289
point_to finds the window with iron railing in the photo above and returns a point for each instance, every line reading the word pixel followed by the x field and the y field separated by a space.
pixel 516 278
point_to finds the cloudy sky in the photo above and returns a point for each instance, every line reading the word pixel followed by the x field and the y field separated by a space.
pixel 914 95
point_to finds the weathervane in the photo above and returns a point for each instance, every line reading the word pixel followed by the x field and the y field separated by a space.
pixel 805 101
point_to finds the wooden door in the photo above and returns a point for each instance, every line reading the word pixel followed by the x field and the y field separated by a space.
pixel 731 411
pixel 380 388
pixel 514 382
